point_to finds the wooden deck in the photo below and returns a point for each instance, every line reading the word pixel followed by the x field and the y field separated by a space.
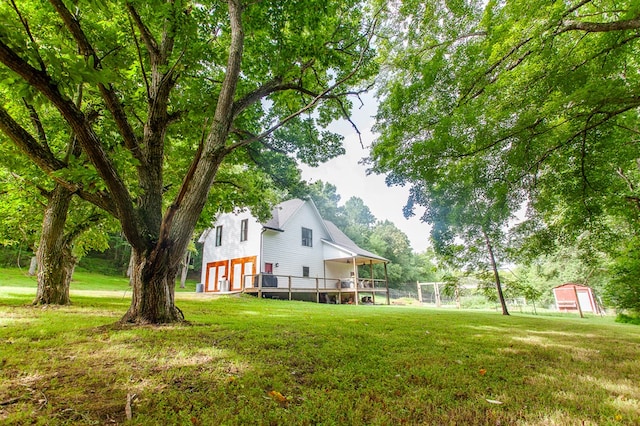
pixel 324 290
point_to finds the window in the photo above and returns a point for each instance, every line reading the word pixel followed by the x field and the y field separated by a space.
pixel 218 236
pixel 307 237
pixel 244 226
pixel 305 271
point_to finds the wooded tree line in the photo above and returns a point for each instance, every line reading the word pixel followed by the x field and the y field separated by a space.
pixel 515 124
pixel 382 237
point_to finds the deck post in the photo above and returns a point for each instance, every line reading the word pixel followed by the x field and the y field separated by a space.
pixel 386 282
pixel 356 280
pixel 289 287
pixel 373 283
pixel 259 286
pixel 317 291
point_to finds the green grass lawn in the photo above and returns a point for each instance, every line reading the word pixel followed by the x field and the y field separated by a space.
pixel 243 360
pixel 21 283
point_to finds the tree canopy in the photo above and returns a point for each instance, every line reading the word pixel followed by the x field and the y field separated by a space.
pixel 513 104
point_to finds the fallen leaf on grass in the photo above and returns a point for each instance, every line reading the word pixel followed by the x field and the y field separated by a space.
pixel 482 371
pixel 278 397
pixel 494 401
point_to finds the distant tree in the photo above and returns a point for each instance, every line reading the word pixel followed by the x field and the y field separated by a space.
pixel 21 206
pixel 623 289
pixel 59 229
pixel 326 198
pixel 388 241
pixel 426 266
pixel 357 213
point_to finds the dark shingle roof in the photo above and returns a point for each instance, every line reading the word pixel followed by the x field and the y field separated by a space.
pixel 282 212
pixel 339 238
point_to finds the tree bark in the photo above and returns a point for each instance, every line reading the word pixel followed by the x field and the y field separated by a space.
pixel 153 289
pixel 55 259
pixel 496 275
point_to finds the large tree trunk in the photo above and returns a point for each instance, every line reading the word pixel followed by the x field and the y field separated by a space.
pixel 55 260
pixel 153 288
pixel 496 275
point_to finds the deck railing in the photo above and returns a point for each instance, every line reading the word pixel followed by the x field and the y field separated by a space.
pixel 328 290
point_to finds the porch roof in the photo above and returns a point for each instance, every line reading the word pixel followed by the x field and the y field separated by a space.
pixel 347 250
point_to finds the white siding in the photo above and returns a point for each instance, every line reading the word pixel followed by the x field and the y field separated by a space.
pixel 231 247
pixel 336 271
pixel 286 249
pixel 332 252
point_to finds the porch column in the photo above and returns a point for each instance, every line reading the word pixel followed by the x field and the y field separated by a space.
pixel 373 283
pixel 386 282
pixel 356 279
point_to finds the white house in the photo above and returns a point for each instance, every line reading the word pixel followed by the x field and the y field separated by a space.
pixel 295 252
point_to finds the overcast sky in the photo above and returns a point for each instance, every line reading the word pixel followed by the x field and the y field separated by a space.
pixel 351 180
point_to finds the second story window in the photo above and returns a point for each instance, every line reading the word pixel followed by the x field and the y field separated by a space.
pixel 307 237
pixel 244 229
pixel 218 236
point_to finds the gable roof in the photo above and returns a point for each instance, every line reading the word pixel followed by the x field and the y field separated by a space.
pixel 282 212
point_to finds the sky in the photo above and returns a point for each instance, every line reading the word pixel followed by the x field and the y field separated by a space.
pixel 351 179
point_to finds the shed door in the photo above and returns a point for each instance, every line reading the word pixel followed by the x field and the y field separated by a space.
pixel 585 301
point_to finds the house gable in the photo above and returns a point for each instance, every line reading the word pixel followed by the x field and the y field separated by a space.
pixel 285 248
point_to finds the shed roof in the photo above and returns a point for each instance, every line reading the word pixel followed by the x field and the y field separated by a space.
pixel 571 285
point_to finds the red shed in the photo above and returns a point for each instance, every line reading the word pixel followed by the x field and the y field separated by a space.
pixel 574 297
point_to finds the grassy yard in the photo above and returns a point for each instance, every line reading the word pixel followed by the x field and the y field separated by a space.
pixel 242 360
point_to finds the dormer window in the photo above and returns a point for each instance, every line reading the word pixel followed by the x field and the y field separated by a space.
pixel 307 237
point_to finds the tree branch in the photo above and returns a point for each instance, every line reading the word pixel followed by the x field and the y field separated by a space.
pixel 37 124
pixel 314 101
pixel 147 37
pixel 39 154
pixel 601 27
pixel 139 52
pixel 25 24
pixel 90 142
pixel 265 90
pixel 49 164
pixel 108 94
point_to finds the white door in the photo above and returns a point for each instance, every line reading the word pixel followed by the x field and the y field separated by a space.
pixel 585 301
